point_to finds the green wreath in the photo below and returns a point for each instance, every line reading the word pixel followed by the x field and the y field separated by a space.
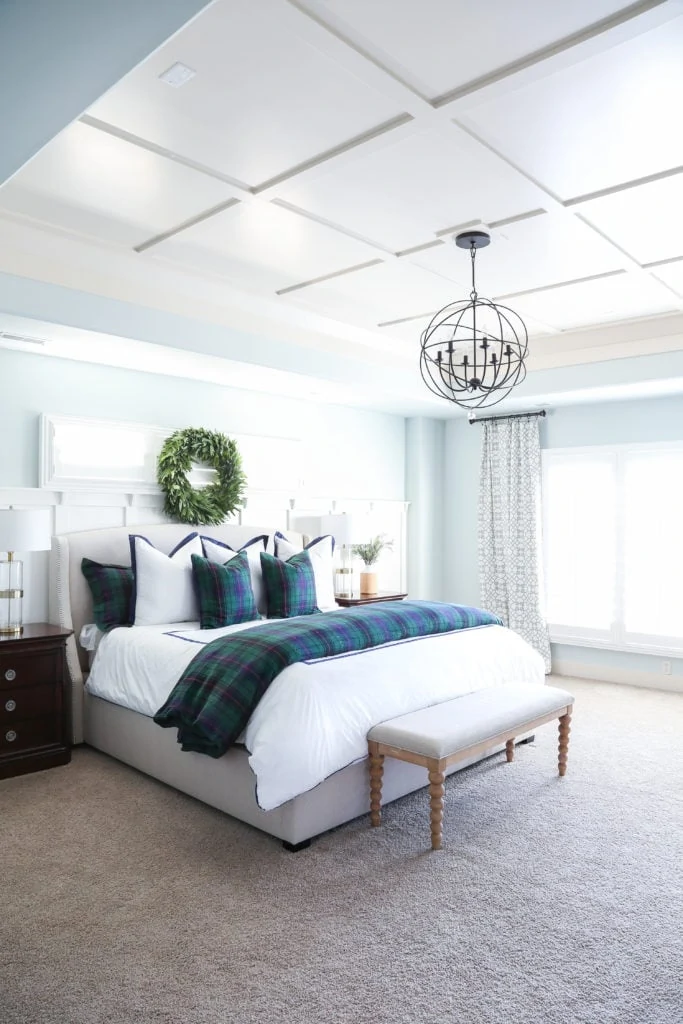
pixel 210 505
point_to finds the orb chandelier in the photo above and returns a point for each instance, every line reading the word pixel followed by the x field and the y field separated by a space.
pixel 473 351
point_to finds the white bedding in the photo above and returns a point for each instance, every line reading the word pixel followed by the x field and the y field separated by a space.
pixel 314 718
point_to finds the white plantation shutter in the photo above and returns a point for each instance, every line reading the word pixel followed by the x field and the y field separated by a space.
pixel 613 542
pixel 580 505
pixel 653 544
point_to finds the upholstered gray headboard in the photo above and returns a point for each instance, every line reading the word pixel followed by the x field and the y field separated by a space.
pixel 70 605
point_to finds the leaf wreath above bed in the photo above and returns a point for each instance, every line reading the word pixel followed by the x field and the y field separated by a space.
pixel 206 506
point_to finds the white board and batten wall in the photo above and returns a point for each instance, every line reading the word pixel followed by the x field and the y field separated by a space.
pixel 95 474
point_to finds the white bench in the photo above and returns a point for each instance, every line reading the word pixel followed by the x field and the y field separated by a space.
pixel 439 736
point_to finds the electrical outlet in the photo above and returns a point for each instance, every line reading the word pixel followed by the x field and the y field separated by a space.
pixel 666 668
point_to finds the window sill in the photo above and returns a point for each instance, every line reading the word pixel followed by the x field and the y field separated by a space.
pixel 657 650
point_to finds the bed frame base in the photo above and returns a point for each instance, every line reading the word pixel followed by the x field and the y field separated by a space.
pixel 295 847
pixel 228 783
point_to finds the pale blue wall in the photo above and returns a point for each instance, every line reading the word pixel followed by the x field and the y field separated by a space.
pixel 424 491
pixel 657 419
pixel 461 492
pixel 348 452
pixel 652 419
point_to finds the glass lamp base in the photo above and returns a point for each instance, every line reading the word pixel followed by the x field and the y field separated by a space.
pixel 343 576
pixel 11 597
pixel 343 583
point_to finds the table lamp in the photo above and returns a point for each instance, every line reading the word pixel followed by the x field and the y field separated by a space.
pixel 340 525
pixel 21 529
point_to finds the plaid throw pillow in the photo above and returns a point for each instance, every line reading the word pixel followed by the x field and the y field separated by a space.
pixel 111 587
pixel 290 585
pixel 224 592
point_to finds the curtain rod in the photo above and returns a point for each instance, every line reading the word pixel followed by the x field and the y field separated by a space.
pixel 512 416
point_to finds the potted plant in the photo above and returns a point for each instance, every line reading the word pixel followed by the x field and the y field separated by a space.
pixel 369 553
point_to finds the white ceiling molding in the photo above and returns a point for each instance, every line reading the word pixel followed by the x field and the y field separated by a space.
pixel 311 173
pixel 189 223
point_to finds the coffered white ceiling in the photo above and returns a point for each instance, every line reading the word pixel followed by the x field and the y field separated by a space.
pixel 326 151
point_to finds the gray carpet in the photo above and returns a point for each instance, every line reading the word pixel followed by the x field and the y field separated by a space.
pixel 554 901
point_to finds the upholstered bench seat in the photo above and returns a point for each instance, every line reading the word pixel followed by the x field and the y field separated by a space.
pixel 439 736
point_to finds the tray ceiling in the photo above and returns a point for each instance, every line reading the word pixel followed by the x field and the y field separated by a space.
pixel 325 153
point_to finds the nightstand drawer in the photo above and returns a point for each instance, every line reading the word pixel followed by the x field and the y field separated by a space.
pixel 28 702
pixel 29 669
pixel 29 734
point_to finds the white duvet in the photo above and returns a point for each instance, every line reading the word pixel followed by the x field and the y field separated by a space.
pixel 314 718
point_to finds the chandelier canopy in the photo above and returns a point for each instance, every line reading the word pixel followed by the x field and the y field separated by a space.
pixel 473 351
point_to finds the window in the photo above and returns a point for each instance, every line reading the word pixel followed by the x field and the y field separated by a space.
pixel 99 454
pixel 613 546
pixel 85 454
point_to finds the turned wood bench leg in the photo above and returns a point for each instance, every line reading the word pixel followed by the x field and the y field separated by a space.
pixel 436 795
pixel 564 731
pixel 376 773
pixel 510 750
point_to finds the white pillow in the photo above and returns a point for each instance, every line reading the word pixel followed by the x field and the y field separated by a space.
pixel 218 551
pixel 321 551
pixel 163 590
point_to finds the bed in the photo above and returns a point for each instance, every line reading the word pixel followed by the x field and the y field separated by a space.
pixel 229 783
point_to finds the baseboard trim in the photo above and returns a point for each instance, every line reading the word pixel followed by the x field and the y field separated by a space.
pixel 627 677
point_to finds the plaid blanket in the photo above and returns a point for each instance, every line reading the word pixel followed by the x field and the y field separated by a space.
pixel 212 701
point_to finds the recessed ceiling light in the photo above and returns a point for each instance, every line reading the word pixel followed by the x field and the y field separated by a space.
pixel 178 74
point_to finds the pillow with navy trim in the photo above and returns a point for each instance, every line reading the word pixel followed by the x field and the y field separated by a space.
pixel 321 551
pixel 219 551
pixel 111 587
pixel 290 585
pixel 163 590
pixel 224 592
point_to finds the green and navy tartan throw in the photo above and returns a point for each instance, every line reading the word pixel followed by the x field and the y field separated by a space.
pixel 224 593
pixel 214 698
pixel 290 585
pixel 111 587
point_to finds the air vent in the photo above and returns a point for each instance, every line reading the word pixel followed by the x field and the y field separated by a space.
pixel 178 74
pixel 21 338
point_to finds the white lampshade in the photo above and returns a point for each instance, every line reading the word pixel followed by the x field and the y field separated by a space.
pixel 25 529
pixel 339 525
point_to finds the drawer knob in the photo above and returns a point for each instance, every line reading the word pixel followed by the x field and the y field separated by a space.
pixel 10 705
pixel 10 675
pixel 10 735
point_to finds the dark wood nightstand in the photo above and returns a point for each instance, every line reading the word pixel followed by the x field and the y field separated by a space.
pixel 381 595
pixel 34 704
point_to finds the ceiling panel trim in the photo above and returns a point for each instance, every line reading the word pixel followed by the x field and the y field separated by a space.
pixel 328 277
pixel 663 263
pixel 407 319
pixel 418 248
pixel 623 187
pixel 561 284
pixel 557 208
pixel 355 57
pixel 152 147
pixel 330 154
pixel 456 228
pixel 506 221
pixel 189 223
pixel 587 34
pixel 307 215
pixel 641 270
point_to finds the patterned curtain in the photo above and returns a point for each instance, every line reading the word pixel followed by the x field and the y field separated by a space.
pixel 510 553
